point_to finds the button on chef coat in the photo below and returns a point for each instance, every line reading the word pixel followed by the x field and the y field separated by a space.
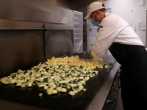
pixel 114 29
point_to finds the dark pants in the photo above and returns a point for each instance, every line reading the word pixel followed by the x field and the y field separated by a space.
pixel 134 82
pixel 133 59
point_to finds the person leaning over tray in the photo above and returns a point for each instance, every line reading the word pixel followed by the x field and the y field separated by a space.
pixel 117 36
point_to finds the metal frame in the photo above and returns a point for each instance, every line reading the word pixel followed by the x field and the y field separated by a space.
pixel 77 13
pixel 146 29
pixel 19 25
pixel 101 96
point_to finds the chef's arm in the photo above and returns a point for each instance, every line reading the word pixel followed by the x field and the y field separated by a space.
pixel 105 38
pixel 90 54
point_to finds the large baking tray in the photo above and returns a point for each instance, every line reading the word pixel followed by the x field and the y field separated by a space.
pixel 61 101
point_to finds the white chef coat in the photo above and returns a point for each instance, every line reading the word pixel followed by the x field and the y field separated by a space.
pixel 114 29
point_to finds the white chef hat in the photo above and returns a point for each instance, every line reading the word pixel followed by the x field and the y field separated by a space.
pixel 93 7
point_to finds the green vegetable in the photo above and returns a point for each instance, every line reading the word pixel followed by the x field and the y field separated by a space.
pixel 88 73
pixel 66 71
pixel 35 82
pixel 31 73
pixel 45 80
pixel 73 71
pixel 76 87
pixel 60 66
pixel 46 63
pixel 81 67
pixel 41 82
pixel 78 75
pixel 64 85
pixel 75 81
pixel 68 75
pixel 36 69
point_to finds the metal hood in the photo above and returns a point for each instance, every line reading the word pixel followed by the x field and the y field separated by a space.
pixel 50 11
pixel 42 11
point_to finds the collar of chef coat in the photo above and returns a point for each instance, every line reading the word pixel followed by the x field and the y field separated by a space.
pixel 100 24
pixel 106 14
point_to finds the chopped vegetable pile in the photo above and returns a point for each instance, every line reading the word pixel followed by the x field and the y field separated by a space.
pixel 68 74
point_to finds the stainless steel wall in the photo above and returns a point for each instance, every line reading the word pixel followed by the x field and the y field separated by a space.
pixel 58 43
pixel 20 50
pixel 25 44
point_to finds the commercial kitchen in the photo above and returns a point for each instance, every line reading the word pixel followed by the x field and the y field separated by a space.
pixel 35 31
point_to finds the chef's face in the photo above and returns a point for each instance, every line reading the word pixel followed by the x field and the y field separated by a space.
pixel 95 16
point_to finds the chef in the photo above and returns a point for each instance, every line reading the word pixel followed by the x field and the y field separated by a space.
pixel 117 36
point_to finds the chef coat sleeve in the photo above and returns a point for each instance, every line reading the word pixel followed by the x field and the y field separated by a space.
pixel 105 38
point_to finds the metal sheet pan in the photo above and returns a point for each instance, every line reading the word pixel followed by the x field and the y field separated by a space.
pixel 61 101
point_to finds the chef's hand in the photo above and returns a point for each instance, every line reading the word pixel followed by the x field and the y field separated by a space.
pixel 90 54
